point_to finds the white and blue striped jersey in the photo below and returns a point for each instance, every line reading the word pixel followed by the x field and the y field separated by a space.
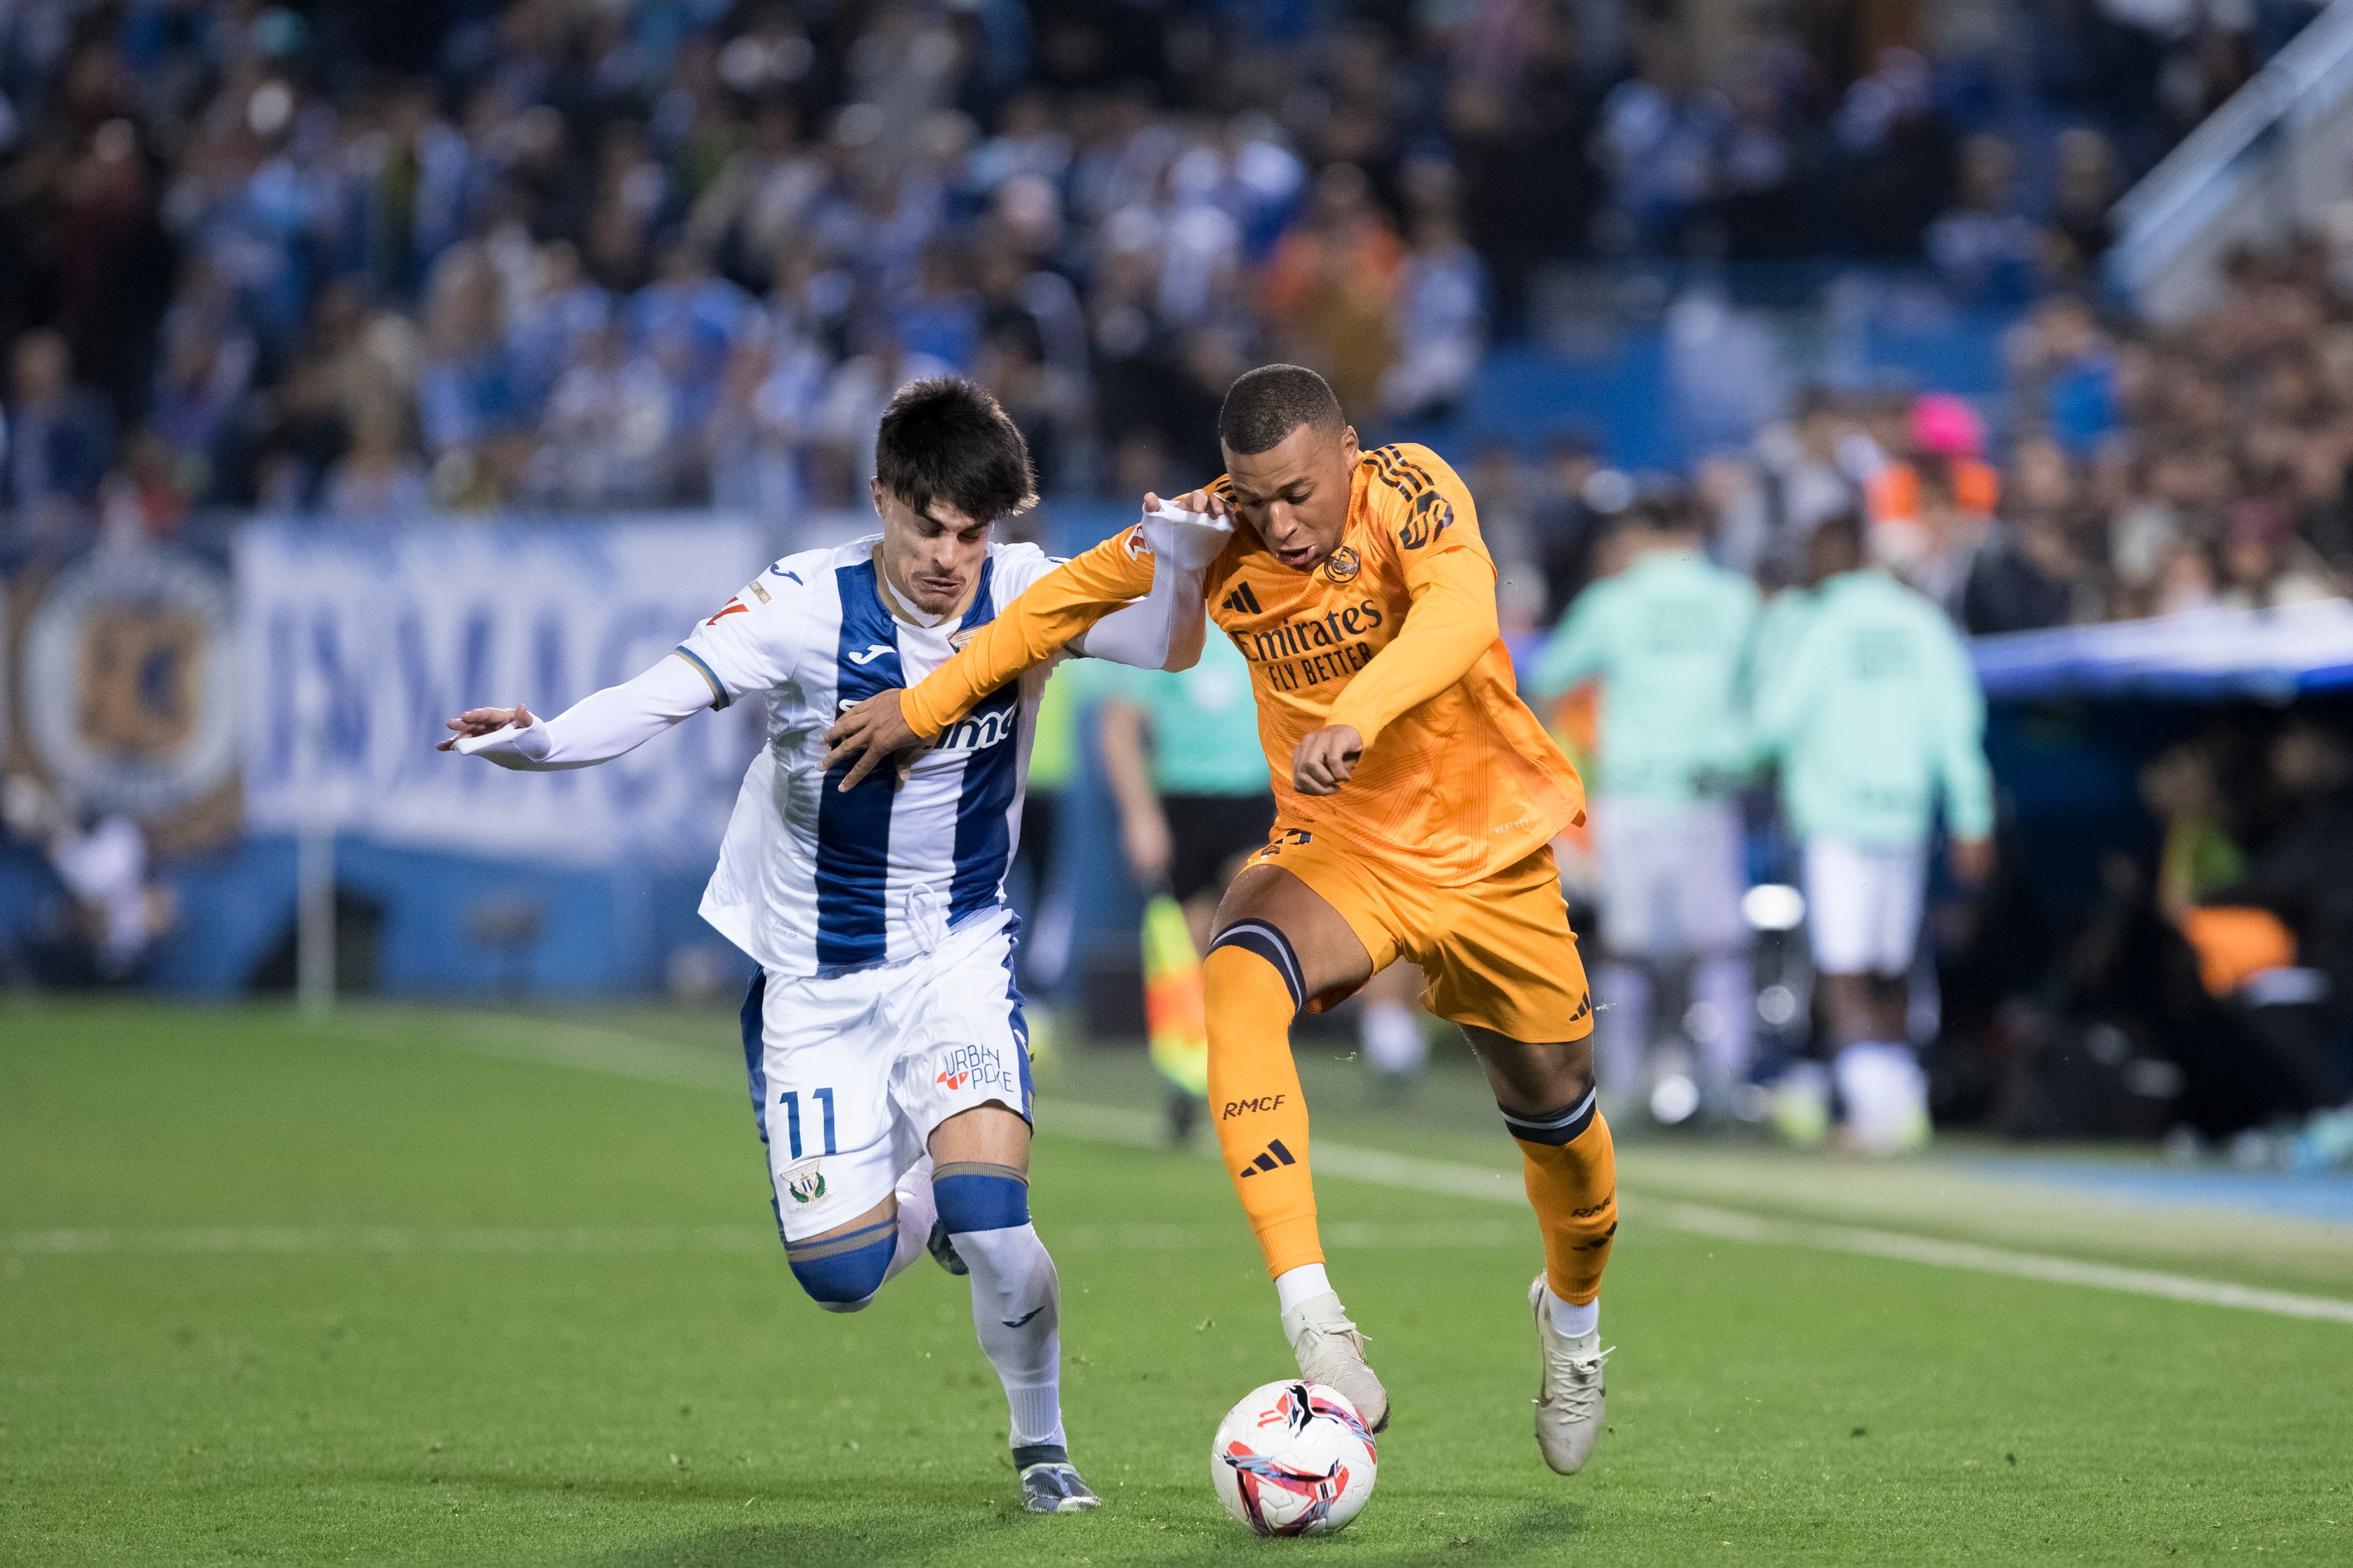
pixel 815 881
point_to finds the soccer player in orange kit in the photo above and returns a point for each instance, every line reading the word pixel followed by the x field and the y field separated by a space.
pixel 1417 800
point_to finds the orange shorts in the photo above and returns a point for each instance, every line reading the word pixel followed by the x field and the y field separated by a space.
pixel 1497 954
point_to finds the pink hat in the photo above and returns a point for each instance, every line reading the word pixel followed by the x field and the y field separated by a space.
pixel 1946 425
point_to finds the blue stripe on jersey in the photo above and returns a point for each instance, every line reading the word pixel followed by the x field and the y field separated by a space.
pixel 983 835
pixel 853 830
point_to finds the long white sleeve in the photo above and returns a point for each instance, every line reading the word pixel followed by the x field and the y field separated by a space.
pixel 599 728
pixel 1164 629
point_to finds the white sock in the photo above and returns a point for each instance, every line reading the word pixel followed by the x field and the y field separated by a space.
pixel 1574 1321
pixel 1303 1283
pixel 1392 1038
pixel 1622 1032
pixel 1017 1313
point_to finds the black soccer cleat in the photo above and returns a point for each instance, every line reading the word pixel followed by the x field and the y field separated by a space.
pixel 941 1247
pixel 1050 1483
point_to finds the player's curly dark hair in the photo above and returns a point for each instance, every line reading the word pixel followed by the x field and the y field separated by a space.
pixel 946 439
pixel 1265 405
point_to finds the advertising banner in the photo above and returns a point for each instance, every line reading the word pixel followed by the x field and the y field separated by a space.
pixel 357 644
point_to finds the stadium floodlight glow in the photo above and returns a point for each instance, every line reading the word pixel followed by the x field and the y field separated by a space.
pixel 1773 906
pixel 1674 1099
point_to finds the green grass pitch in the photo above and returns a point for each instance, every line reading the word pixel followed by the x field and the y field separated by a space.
pixel 457 1287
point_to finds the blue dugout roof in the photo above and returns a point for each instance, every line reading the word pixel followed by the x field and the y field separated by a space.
pixel 2270 656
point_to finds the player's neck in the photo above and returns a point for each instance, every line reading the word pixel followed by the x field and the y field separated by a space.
pixel 902 605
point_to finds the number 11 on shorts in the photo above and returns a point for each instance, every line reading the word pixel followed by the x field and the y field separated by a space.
pixel 792 1103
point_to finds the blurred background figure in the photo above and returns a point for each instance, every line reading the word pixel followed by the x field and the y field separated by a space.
pixel 1876 721
pixel 1180 751
pixel 113 912
pixel 1668 638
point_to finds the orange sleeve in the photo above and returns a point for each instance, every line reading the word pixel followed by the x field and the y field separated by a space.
pixel 1042 619
pixel 1435 535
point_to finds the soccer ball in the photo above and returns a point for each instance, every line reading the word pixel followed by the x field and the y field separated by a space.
pixel 1293 1459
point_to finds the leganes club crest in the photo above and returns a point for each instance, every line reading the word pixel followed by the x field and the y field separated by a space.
pixel 805 1184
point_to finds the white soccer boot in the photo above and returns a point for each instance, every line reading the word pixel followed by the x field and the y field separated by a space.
pixel 1568 1398
pixel 1332 1352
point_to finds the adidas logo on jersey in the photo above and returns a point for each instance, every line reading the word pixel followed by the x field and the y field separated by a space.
pixel 1271 1157
pixel 1242 601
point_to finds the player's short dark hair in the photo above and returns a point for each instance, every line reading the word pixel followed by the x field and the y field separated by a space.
pixel 1265 405
pixel 946 439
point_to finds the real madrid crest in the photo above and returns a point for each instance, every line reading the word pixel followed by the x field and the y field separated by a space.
pixel 1342 565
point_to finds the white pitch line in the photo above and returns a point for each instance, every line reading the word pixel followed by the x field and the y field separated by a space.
pixel 637 1056
pixel 1106 1124
pixel 256 1240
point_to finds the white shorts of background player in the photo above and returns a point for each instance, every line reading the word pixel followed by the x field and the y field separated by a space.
pixel 1862 905
pixel 850 1074
pixel 1673 874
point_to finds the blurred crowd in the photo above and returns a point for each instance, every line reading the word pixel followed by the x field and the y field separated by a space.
pixel 363 260
pixel 2146 472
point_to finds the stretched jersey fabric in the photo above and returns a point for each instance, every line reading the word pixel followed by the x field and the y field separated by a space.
pixel 814 882
pixel 1394 635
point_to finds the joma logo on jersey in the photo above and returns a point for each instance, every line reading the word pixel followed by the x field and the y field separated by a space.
pixel 1246 1107
pixel 979 731
pixel 973 1066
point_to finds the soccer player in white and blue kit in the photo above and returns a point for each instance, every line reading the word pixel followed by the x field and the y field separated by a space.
pixel 883 1036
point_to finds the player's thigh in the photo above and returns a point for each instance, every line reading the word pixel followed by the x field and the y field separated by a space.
pixel 1532 1076
pixel 1900 878
pixel 961 1080
pixel 820 1074
pixel 1709 876
pixel 1501 957
pixel 1328 907
pixel 1624 850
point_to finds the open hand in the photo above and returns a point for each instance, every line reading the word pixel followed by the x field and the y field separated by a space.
pixel 479 722
pixel 865 735
pixel 1325 759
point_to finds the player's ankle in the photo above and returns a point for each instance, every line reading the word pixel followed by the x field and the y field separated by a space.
pixel 1304 1283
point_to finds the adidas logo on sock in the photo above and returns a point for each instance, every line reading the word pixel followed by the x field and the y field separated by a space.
pixel 1242 601
pixel 1272 1156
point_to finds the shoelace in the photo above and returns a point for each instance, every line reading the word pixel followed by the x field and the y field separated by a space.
pixel 1579 1385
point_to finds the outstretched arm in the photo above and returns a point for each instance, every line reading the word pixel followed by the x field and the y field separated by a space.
pixel 1088 595
pixel 596 729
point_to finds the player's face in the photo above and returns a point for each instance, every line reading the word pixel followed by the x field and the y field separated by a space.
pixel 1296 493
pixel 934 557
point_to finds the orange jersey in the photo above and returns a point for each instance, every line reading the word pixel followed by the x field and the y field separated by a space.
pixel 1393 635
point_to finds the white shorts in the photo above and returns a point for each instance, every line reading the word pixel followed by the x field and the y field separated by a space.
pixel 850 1073
pixel 1672 877
pixel 1862 906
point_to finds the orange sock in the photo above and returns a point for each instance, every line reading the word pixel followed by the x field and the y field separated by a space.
pixel 1250 978
pixel 1572 1176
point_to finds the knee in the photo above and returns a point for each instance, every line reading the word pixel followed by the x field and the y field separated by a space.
pixel 842 1273
pixel 1565 1121
pixel 975 1195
